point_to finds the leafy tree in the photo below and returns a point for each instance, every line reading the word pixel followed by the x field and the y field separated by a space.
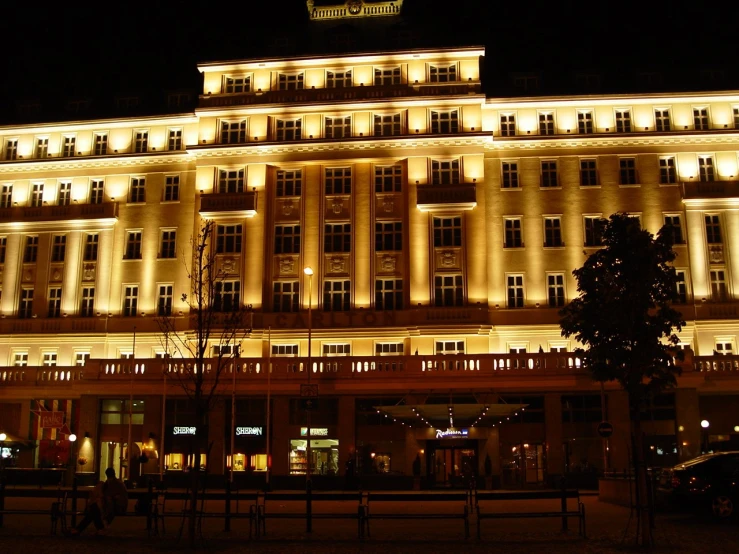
pixel 625 320
pixel 215 319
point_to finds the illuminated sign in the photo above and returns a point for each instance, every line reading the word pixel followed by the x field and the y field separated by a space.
pixel 250 431
pixel 51 420
pixel 184 430
pixel 452 433
pixel 314 432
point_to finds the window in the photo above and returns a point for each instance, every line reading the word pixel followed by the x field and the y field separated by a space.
pixel 682 286
pixel 87 302
pixel 286 296
pixel 289 183
pixel 585 122
pixel 623 121
pixel 444 123
pixel 700 119
pixel 387 125
pixel 130 300
pixel 339 79
pixel 233 132
pixel 736 118
pixel 553 231
pixel 442 73
pixel 6 196
pixel 556 289
pixel 3 248
pixel 341 349
pixel 593 230
pixel 445 172
pixel 338 180
pixel 713 229
pixel 288 129
pixel 290 82
pixel 141 142
pixel 100 144
pixel 388 236
pixel 667 171
pixel 164 302
pixel 68 144
pixel 37 195
pixel 662 120
pixel 448 290
pixel 549 173
pixel 724 347
pixel 116 412
pixel 20 359
pixel 337 237
pixel 581 408
pixel 230 180
pixel 172 188
pixel 55 301
pixel 287 239
pixel 514 285
pixel 510 175
pixel 49 359
pixel 228 240
pixel 25 308
pixel 236 85
pixel 133 245
pixel 627 168
pixel 447 231
pixel 513 236
pixel 42 148
pixel 80 358
pixel 718 285
pixel 138 190
pixel 388 178
pixel 588 173
pixel 336 295
pixel 675 228
pixel 387 76
pixel 526 83
pixel 91 248
pixel 30 253
pixel 389 349
pixel 64 193
pixel 546 123
pixel 507 125
pixel 58 248
pixel 338 127
pixel 705 169
pixel 168 244
pixel 388 294
pixel 174 141
pixel 284 350
pixel 11 149
pixel 449 347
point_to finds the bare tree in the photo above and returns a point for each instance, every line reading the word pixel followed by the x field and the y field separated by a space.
pixel 217 319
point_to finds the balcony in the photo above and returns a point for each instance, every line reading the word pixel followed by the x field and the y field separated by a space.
pixel 715 310
pixel 332 95
pixel 435 197
pixel 712 189
pixel 238 204
pixel 71 212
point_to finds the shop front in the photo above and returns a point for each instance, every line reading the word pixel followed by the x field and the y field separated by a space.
pixel 250 450
pixel 451 458
pixel 186 448
pixel 324 452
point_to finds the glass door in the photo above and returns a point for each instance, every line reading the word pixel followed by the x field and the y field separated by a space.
pixel 534 463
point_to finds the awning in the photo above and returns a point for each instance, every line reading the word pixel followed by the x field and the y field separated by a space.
pixel 450 415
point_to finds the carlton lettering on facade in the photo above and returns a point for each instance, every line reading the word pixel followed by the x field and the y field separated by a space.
pixel 250 431
pixel 452 433
pixel 184 430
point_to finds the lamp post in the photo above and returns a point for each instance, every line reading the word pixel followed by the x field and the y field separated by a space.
pixel 308 485
pixel 705 424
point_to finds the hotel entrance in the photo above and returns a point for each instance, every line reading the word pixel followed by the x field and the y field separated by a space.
pixel 451 466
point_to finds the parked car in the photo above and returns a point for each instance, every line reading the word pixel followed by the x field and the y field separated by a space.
pixel 707 483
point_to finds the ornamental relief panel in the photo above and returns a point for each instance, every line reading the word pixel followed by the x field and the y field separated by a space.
pixel 287 209
pixel 229 265
pixel 448 258
pixel 89 269
pixel 338 207
pixel 716 253
pixel 337 264
pixel 286 266
pixel 56 273
pixel 389 263
pixel 389 205
pixel 29 274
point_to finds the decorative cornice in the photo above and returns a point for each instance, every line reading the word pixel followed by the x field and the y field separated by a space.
pixel 353 9
pixel 584 141
pixel 96 162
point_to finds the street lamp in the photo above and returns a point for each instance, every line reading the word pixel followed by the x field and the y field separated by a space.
pixel 705 425
pixel 308 485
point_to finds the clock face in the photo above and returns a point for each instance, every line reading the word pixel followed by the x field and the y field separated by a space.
pixel 354 6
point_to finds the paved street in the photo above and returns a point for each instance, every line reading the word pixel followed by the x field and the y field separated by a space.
pixel 605 526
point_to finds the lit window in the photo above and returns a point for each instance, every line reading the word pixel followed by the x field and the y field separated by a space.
pixel 20 359
pixel 55 301
pixel 100 144
pixel 387 125
pixel 141 142
pixel 623 121
pixel 230 181
pixel 11 149
pixel 514 286
pixel 168 244
pixel 389 349
pixel 42 148
pixel 87 302
pixel 388 294
pixel 64 193
pixel 510 175
pixel 338 127
pixel 6 196
pixel 289 183
pixel 507 125
pixel 449 347
pixel 445 172
pixel 338 180
pixel 718 285
pixel 68 144
pixel 674 227
pixel 130 300
pixel 705 169
pixel 627 171
pixel 287 239
pixel 588 173
pixel 285 350
pixel 171 188
pixel 30 252
pixel 137 194
pixel 387 76
pixel 336 295
pixel 442 73
pixel 49 359
pixel 448 290
pixel 164 302
pixel 553 232
pixel 724 347
pixel 667 171
pixel 444 123
pixel 337 237
pixel 546 123
pixel 288 129
pixel 286 296
pixel 556 289
pixel 37 195
pixel 290 82
pixel 342 349
pixel 549 173
pixel 585 122
pixel 233 132
pixel 339 79
pixel 513 235
pixel 662 120
pixel 388 236
pixel 133 245
pixel 236 85
pixel 713 230
pixel 25 307
pixel 593 230
pixel 681 286
pixel 80 358
pixel 228 239
pixel 174 141
pixel 388 178
pixel 58 248
pixel 91 248
pixel 700 119
pixel 447 231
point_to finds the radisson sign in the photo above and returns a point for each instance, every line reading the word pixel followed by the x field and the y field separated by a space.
pixel 452 433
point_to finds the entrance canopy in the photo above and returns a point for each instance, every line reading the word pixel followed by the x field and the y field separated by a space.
pixel 451 415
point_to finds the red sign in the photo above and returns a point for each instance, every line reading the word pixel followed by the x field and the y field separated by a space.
pixel 53 420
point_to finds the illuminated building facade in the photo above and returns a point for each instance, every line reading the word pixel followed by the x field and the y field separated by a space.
pixel 442 226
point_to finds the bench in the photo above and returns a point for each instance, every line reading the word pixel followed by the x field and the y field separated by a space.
pixel 562 495
pixel 419 497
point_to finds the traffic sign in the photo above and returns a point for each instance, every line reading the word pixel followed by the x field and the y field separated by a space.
pixel 605 429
